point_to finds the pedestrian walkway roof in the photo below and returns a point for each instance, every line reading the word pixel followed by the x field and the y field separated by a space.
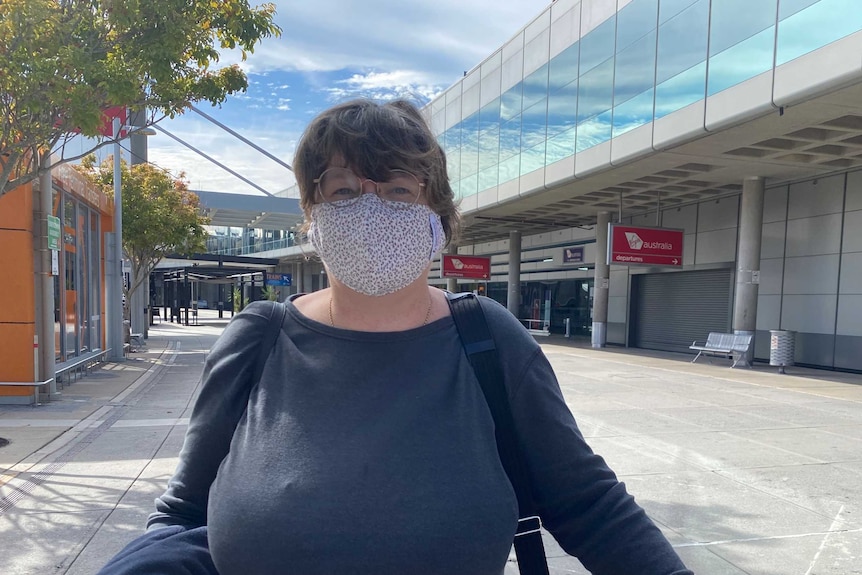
pixel 214 267
pixel 247 211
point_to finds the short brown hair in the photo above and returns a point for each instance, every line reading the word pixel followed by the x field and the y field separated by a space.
pixel 373 139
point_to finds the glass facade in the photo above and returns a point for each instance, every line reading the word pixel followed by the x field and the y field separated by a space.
pixel 78 285
pixel 554 301
pixel 245 241
pixel 650 59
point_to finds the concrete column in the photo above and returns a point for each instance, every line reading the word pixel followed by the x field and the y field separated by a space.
pixel 748 259
pixel 299 277
pixel 324 279
pixel 451 283
pixel 513 300
pixel 602 282
pixel 140 302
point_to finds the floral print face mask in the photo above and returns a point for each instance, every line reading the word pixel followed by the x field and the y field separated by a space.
pixel 373 248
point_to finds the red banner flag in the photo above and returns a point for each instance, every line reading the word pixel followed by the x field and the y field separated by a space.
pixel 107 127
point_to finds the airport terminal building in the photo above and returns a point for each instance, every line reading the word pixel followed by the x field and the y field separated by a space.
pixel 744 132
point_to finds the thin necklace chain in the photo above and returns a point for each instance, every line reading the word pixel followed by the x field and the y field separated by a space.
pixel 427 312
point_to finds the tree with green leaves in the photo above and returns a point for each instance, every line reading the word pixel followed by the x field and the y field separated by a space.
pixel 64 62
pixel 160 215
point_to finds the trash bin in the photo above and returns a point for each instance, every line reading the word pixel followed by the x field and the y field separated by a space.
pixel 782 348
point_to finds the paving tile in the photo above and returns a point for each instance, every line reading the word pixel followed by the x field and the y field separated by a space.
pixel 52 541
pixel 829 490
pixel 818 443
pixel 816 554
pixel 722 450
pixel 705 506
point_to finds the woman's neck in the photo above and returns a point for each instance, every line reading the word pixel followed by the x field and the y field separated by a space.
pixel 342 307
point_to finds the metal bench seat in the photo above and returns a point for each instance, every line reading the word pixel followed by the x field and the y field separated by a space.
pixel 730 345
pixel 76 367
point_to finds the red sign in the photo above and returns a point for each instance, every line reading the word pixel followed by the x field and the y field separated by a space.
pixel 107 127
pixel 634 246
pixel 457 266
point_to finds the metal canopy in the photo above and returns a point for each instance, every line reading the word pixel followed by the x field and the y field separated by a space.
pixel 245 211
pixel 214 268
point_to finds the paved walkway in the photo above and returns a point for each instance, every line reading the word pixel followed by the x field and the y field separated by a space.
pixel 746 471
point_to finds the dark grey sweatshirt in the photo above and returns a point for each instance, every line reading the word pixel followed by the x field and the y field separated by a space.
pixel 374 453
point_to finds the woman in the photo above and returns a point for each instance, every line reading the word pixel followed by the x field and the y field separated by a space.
pixel 365 445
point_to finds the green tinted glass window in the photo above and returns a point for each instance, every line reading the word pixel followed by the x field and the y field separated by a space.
pixel 510 138
pixel 535 87
pixel 806 26
pixel 598 45
pixel 745 60
pixel 670 8
pixel 595 100
pixel 534 125
pixel 560 146
pixel 563 68
pixel 562 109
pixel 685 88
pixel 596 91
pixel 727 28
pixel 682 41
pixel 634 21
pixel 470 145
pixel 635 69
pixel 510 101
pixel 489 147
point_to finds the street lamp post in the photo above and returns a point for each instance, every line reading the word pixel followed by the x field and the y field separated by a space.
pixel 114 264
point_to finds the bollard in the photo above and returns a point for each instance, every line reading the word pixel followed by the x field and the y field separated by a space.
pixel 568 327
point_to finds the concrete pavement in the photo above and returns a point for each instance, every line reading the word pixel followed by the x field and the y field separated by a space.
pixel 746 471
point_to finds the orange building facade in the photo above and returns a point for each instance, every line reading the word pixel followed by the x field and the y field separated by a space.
pixel 78 278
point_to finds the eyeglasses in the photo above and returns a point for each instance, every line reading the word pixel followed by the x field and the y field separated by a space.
pixel 341 187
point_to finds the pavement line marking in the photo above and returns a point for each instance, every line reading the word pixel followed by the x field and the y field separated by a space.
pixel 176 421
pixel 769 538
pixel 120 397
pixel 39 422
pixel 832 529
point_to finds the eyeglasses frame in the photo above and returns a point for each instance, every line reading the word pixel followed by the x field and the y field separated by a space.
pixel 351 201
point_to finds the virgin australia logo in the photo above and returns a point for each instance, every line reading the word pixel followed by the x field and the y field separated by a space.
pixel 636 243
pixel 634 240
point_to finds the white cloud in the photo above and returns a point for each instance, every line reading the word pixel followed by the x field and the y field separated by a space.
pixel 411 50
pixel 443 37
pixel 385 85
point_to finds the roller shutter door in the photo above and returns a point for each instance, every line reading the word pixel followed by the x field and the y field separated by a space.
pixel 671 310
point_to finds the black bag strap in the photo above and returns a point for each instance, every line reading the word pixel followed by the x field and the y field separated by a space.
pixel 482 352
pixel 273 328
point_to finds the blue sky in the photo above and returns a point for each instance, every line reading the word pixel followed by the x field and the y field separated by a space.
pixel 331 51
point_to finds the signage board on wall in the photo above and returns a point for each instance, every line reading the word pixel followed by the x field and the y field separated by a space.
pixel 458 266
pixel 573 255
pixel 639 246
pixel 278 279
pixel 54 232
